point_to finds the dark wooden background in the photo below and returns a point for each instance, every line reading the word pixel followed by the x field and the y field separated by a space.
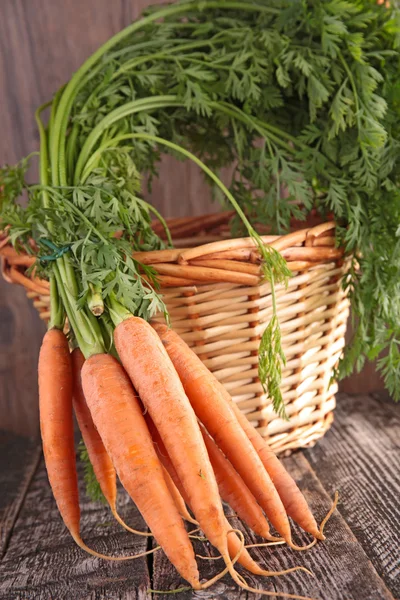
pixel 42 42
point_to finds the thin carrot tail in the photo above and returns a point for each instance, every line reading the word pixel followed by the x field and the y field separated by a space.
pixel 178 499
pixel 328 515
pixel 239 580
pixel 189 519
pixel 86 548
pixel 125 526
pixel 234 544
pixel 294 546
pixel 321 535
pixel 232 561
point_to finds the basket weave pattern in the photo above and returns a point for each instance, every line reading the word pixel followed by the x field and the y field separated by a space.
pixel 220 307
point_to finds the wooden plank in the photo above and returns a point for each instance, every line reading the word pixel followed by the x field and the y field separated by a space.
pixel 20 333
pixel 19 458
pixel 359 456
pixel 341 568
pixel 43 562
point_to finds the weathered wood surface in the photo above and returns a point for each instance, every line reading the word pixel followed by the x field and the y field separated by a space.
pixel 41 561
pixel 19 458
pixel 358 561
pixel 360 457
pixel 42 42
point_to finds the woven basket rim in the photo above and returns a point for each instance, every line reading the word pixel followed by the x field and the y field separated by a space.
pixel 227 260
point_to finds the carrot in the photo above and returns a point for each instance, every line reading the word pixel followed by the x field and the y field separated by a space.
pixel 118 417
pixel 221 422
pixel 293 500
pixel 56 425
pixel 99 458
pixel 234 543
pixel 164 457
pixel 162 394
pixel 57 431
pixel 153 375
pixel 234 491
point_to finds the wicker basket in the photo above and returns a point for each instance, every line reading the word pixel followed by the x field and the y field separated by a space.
pixel 211 285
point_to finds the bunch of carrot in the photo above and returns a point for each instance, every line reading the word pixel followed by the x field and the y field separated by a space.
pixel 160 420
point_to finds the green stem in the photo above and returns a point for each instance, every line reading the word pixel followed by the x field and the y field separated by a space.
pixel 65 301
pixel 276 134
pixel 73 136
pixel 54 105
pixel 70 275
pixel 85 326
pixel 71 151
pixel 44 157
pixel 162 221
pixel 57 313
pixel 107 329
pixel 57 142
pixel 135 62
pixel 95 300
pixel 117 311
pixel 56 309
pixel 184 152
pixel 144 104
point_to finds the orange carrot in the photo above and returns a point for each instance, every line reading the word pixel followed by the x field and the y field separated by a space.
pixel 221 422
pixel 153 374
pixel 164 457
pixel 98 455
pixel 101 462
pixel 293 500
pixel 234 491
pixel 154 377
pixel 162 394
pixel 233 541
pixel 118 417
pixel 56 426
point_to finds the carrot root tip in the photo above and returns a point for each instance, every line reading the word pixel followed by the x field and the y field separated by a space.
pixel 125 526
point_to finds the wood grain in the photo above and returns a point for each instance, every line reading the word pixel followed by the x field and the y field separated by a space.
pixel 341 569
pixel 358 457
pixel 43 562
pixel 42 42
pixel 358 561
pixel 19 458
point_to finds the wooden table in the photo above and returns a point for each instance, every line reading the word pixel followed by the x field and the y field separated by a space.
pixel 359 456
